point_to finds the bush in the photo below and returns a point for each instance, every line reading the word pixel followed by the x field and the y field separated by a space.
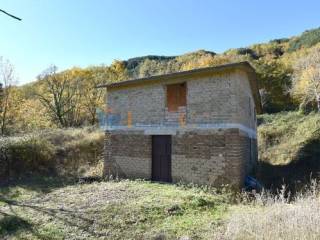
pixel 51 152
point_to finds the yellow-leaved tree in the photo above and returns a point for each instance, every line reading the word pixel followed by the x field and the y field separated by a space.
pixel 306 80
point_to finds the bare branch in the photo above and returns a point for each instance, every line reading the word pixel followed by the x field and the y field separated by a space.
pixel 10 15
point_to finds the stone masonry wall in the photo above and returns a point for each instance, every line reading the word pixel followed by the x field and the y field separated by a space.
pixel 211 157
pixel 219 98
pixel 211 100
pixel 146 104
pixel 127 154
pixel 244 102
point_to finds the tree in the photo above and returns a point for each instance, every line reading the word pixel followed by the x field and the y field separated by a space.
pixel 117 71
pixel 92 97
pixel 59 94
pixel 1 96
pixel 306 81
pixel 6 79
pixel 274 79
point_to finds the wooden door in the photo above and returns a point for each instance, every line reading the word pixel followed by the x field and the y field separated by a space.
pixel 161 158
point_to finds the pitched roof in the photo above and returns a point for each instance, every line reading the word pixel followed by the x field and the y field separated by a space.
pixel 194 72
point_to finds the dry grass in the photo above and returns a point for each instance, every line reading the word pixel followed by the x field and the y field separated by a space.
pixel 144 210
pixel 52 152
pixel 275 217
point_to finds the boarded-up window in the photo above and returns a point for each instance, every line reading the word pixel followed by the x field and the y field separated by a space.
pixel 176 96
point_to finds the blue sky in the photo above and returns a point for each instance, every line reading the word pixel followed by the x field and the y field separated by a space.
pixel 90 32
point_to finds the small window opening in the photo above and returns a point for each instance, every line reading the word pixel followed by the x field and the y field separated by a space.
pixel 176 96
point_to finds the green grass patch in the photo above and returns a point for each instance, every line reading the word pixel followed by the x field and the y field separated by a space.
pixel 111 210
pixel 282 136
pixel 289 149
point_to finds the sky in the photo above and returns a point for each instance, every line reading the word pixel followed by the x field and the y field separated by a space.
pixel 82 33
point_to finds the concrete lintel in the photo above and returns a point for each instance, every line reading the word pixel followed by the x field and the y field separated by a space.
pixel 172 130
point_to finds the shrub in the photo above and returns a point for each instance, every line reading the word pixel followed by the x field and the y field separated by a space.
pixel 51 152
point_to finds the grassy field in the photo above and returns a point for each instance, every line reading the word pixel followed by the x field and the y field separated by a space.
pixel 108 210
pixel 53 209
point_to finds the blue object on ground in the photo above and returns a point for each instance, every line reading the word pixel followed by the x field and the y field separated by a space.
pixel 251 183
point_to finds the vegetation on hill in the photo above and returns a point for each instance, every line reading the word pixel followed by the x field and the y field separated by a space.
pixel 289 149
pixel 307 39
pixel 282 136
pixel 287 70
pixel 56 152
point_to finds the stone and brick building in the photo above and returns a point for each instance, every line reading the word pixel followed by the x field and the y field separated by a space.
pixel 194 126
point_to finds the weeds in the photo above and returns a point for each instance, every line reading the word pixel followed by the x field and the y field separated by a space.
pixel 275 216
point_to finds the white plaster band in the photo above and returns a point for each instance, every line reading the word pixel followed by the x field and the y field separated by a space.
pixel 172 130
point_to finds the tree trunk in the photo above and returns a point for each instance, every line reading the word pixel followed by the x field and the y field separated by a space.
pixel 318 103
pixel 3 120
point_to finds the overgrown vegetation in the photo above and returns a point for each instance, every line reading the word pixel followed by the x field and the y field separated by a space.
pixel 267 216
pixel 289 148
pixel 68 153
pixel 307 39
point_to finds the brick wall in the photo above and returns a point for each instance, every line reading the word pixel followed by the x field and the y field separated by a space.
pixel 211 157
pixel 211 100
pixel 244 101
pixel 215 99
pixel 146 105
pixel 127 154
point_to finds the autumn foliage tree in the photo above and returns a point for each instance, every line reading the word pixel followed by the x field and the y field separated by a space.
pixel 274 80
pixel 59 94
pixel 91 96
pixel 306 81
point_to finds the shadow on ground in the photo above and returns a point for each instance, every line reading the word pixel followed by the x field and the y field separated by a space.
pixel 11 222
pixel 38 184
pixel 296 174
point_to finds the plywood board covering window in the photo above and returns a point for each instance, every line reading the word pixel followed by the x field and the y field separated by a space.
pixel 176 96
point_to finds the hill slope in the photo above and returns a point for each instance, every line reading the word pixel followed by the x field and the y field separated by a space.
pixel 289 148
